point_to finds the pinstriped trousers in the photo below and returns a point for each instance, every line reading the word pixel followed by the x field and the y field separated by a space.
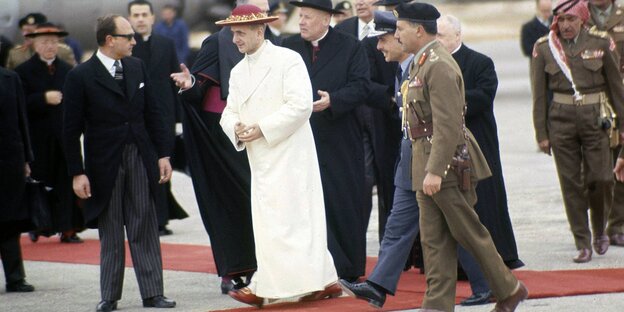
pixel 131 205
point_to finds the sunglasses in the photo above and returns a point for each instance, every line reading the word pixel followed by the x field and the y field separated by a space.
pixel 127 36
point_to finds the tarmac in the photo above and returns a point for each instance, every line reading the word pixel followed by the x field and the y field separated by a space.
pixel 535 206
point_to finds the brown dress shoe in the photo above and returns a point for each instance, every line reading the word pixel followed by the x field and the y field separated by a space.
pixel 617 239
pixel 583 256
pixel 601 244
pixel 245 295
pixel 331 291
pixel 510 303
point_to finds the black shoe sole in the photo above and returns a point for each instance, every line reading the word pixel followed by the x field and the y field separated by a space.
pixel 372 302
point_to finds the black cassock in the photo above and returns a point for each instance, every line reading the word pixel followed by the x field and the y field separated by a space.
pixel 46 126
pixel 342 70
pixel 480 82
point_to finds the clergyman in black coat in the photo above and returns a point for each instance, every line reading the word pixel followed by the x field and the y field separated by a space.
pixel 127 145
pixel 537 27
pixel 43 77
pixel 159 55
pixel 14 157
pixel 380 123
pixel 339 73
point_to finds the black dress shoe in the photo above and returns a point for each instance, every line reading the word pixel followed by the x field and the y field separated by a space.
pixel 477 299
pixel 364 291
pixel 34 236
pixel 106 306
pixel 73 239
pixel 20 286
pixel 158 302
pixel 164 231
pixel 232 284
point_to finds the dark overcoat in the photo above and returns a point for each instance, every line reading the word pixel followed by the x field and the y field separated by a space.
pixel 380 118
pixel 531 31
pixel 96 106
pixel 46 124
pixel 480 82
pixel 161 60
pixel 342 70
pixel 15 151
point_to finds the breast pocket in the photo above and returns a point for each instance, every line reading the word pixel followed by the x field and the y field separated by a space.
pixel 593 68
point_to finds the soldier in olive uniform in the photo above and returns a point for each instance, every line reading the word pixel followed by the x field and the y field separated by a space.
pixel 609 16
pixel 573 125
pixel 446 164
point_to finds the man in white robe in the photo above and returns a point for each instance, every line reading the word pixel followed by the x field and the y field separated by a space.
pixel 267 112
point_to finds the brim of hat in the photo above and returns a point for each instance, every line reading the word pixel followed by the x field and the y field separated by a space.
pixel 384 2
pixel 318 7
pixel 56 33
pixel 263 20
pixel 375 33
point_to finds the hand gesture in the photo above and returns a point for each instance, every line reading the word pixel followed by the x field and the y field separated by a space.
pixel 183 79
pixel 323 103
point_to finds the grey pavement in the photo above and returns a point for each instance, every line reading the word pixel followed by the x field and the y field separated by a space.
pixel 536 209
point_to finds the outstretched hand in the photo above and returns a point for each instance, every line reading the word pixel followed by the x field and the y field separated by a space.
pixel 183 78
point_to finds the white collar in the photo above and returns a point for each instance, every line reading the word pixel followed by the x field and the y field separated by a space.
pixel 315 43
pixel 107 62
pixel 48 62
pixel 458 47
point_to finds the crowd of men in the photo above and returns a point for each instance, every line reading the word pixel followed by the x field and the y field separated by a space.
pixel 285 138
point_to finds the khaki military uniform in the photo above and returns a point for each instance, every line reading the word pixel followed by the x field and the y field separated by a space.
pixel 21 54
pixel 434 94
pixel 614 25
pixel 580 145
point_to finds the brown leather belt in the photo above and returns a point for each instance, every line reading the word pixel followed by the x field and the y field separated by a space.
pixel 586 99
pixel 421 130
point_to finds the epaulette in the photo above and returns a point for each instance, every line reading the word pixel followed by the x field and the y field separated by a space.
pixel 542 39
pixel 594 31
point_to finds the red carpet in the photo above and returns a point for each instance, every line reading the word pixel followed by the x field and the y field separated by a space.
pixel 195 258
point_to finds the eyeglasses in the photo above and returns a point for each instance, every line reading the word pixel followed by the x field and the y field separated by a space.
pixel 127 36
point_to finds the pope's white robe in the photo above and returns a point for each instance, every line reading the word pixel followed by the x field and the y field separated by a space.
pixel 272 88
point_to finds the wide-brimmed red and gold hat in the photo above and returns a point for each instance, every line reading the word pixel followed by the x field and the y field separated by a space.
pixel 47 29
pixel 247 14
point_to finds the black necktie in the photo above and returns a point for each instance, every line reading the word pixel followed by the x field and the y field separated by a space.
pixel 118 71
pixel 399 74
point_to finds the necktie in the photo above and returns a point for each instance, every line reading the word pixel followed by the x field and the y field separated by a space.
pixel 364 32
pixel 51 69
pixel 118 71
pixel 399 74
pixel 315 51
pixel 397 85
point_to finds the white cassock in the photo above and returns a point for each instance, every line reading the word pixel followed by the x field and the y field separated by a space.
pixel 272 88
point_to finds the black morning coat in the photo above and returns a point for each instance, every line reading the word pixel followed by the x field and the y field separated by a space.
pixel 383 123
pixel 14 154
pixel 109 118
pixel 342 70
pixel 481 83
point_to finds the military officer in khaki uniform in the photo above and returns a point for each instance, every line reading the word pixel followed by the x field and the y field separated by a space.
pixel 25 51
pixel 446 164
pixel 609 16
pixel 573 125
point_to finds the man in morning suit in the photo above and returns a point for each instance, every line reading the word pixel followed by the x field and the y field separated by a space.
pixel 480 83
pixel 126 156
pixel 339 72
pixel 608 16
pixel 159 55
pixel 537 27
pixel 446 164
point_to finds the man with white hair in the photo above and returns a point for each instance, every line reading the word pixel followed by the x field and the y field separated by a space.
pixel 480 85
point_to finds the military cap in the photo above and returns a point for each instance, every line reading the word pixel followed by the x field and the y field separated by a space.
pixel 344 5
pixel 417 12
pixel 47 29
pixel 276 6
pixel 390 2
pixel 322 5
pixel 385 22
pixel 32 19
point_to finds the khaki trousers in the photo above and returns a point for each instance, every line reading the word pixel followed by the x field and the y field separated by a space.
pixel 584 166
pixel 448 218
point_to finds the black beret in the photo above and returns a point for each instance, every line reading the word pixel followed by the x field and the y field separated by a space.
pixel 389 2
pixel 417 12
pixel 32 19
